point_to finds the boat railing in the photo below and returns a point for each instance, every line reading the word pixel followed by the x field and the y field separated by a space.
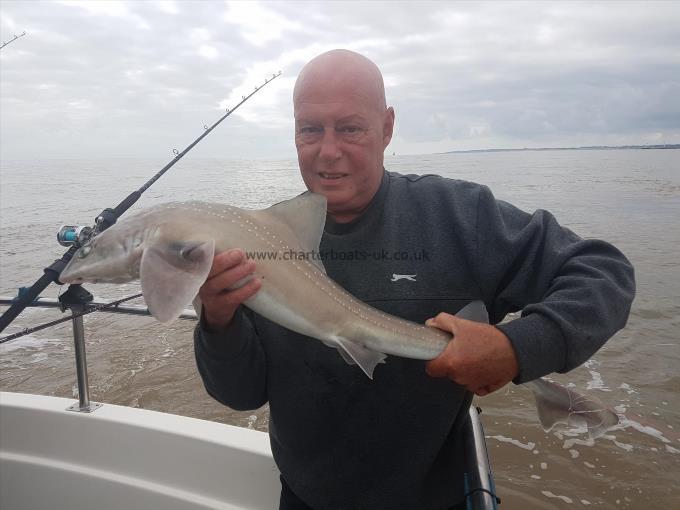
pixel 42 302
pixel 80 301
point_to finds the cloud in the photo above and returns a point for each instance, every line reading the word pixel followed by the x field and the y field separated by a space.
pixel 167 6
pixel 95 79
pixel 258 24
pixel 207 51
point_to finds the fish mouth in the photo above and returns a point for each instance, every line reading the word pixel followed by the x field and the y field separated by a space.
pixel 65 277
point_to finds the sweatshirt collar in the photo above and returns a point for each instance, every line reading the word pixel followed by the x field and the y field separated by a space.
pixel 372 213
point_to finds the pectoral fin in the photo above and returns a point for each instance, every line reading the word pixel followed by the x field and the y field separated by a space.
pixel 353 352
pixel 198 306
pixel 172 274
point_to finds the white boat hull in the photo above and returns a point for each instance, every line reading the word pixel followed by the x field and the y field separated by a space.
pixel 119 457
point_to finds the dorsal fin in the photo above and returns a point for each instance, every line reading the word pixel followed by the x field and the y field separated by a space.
pixel 306 217
pixel 474 311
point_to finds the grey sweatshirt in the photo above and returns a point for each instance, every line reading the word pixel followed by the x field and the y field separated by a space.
pixel 343 441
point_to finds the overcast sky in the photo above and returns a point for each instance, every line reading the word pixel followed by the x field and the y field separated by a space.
pixel 137 79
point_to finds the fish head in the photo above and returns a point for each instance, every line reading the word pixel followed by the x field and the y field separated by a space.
pixel 169 260
pixel 114 256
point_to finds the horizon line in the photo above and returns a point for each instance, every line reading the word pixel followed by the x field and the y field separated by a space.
pixel 387 153
pixel 583 147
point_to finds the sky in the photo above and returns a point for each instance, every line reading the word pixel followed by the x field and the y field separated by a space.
pixel 95 79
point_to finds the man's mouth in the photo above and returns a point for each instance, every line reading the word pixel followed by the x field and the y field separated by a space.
pixel 331 176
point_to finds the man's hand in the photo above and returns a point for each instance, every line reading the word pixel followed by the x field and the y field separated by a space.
pixel 479 357
pixel 220 303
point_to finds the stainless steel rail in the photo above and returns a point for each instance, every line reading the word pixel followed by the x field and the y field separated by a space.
pixel 479 486
pixel 125 309
pixel 84 405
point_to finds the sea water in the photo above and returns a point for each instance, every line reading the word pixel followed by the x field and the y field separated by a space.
pixel 628 197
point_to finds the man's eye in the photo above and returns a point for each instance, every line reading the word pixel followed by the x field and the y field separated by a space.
pixel 349 129
pixel 309 130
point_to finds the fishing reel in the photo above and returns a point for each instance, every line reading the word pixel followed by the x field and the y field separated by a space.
pixel 69 235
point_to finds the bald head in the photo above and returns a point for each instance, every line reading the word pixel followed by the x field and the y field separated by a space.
pixel 337 72
pixel 342 126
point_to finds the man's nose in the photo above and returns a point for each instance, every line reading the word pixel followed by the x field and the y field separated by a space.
pixel 330 149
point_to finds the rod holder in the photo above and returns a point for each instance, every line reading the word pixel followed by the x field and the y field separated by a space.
pixel 76 298
pixel 84 404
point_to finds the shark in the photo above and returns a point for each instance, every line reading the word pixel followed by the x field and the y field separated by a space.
pixel 170 248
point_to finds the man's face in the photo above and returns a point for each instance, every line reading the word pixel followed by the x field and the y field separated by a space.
pixel 340 134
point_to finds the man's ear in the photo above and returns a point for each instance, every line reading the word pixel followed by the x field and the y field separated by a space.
pixel 388 127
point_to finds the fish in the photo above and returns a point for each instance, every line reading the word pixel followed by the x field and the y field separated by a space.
pixel 170 248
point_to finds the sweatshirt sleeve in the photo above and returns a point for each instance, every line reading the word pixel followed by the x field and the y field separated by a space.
pixel 232 364
pixel 574 294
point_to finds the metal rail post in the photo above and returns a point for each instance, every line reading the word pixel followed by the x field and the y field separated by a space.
pixel 84 405
pixel 76 299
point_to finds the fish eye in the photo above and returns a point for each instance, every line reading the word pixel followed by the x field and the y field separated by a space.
pixel 84 251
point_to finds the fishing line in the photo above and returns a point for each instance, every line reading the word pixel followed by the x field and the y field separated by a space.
pixel 75 237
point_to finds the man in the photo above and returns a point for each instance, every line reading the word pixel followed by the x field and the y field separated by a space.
pixel 342 441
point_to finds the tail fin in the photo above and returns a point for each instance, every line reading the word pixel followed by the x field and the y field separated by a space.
pixel 559 405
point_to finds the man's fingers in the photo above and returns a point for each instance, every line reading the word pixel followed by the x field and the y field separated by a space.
pixel 441 366
pixel 238 296
pixel 443 321
pixel 228 278
pixel 226 260
pixel 218 310
pixel 230 298
pixel 485 390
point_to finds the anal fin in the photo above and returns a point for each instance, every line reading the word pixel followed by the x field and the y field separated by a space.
pixel 355 353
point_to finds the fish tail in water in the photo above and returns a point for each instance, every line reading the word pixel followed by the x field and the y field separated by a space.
pixel 559 405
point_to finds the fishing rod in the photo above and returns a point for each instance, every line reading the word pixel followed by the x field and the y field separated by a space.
pixel 75 236
pixel 12 40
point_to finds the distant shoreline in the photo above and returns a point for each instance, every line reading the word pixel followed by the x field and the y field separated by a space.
pixel 588 148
